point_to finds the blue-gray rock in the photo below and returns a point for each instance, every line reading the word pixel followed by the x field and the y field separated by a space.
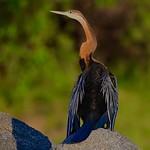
pixel 16 135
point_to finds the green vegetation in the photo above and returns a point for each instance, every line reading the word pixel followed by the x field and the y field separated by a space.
pixel 39 63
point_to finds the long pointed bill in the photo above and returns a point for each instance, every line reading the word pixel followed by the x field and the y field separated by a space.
pixel 60 12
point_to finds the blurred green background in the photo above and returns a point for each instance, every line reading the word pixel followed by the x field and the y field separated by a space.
pixel 39 61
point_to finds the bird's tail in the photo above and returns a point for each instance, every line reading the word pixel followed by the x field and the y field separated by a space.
pixel 102 121
pixel 81 134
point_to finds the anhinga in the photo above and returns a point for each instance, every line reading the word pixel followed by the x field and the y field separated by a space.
pixel 95 96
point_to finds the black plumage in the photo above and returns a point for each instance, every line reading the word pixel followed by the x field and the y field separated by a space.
pixel 94 95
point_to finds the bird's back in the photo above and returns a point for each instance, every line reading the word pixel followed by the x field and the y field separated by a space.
pixel 93 104
pixel 94 101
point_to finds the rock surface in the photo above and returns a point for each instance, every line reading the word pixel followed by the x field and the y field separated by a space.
pixel 16 135
pixel 101 139
pixel 7 141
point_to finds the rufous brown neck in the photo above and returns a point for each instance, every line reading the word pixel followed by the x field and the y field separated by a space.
pixel 88 47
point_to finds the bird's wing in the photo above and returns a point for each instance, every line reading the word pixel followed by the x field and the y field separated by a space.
pixel 110 93
pixel 77 96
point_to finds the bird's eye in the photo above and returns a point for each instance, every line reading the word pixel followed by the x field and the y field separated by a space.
pixel 70 11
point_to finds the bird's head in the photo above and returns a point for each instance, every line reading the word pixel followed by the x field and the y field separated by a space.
pixel 88 47
pixel 74 14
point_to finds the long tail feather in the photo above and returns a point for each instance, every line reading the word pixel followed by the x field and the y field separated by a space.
pixel 81 134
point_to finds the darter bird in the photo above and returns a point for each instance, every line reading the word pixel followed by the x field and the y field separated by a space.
pixel 94 101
